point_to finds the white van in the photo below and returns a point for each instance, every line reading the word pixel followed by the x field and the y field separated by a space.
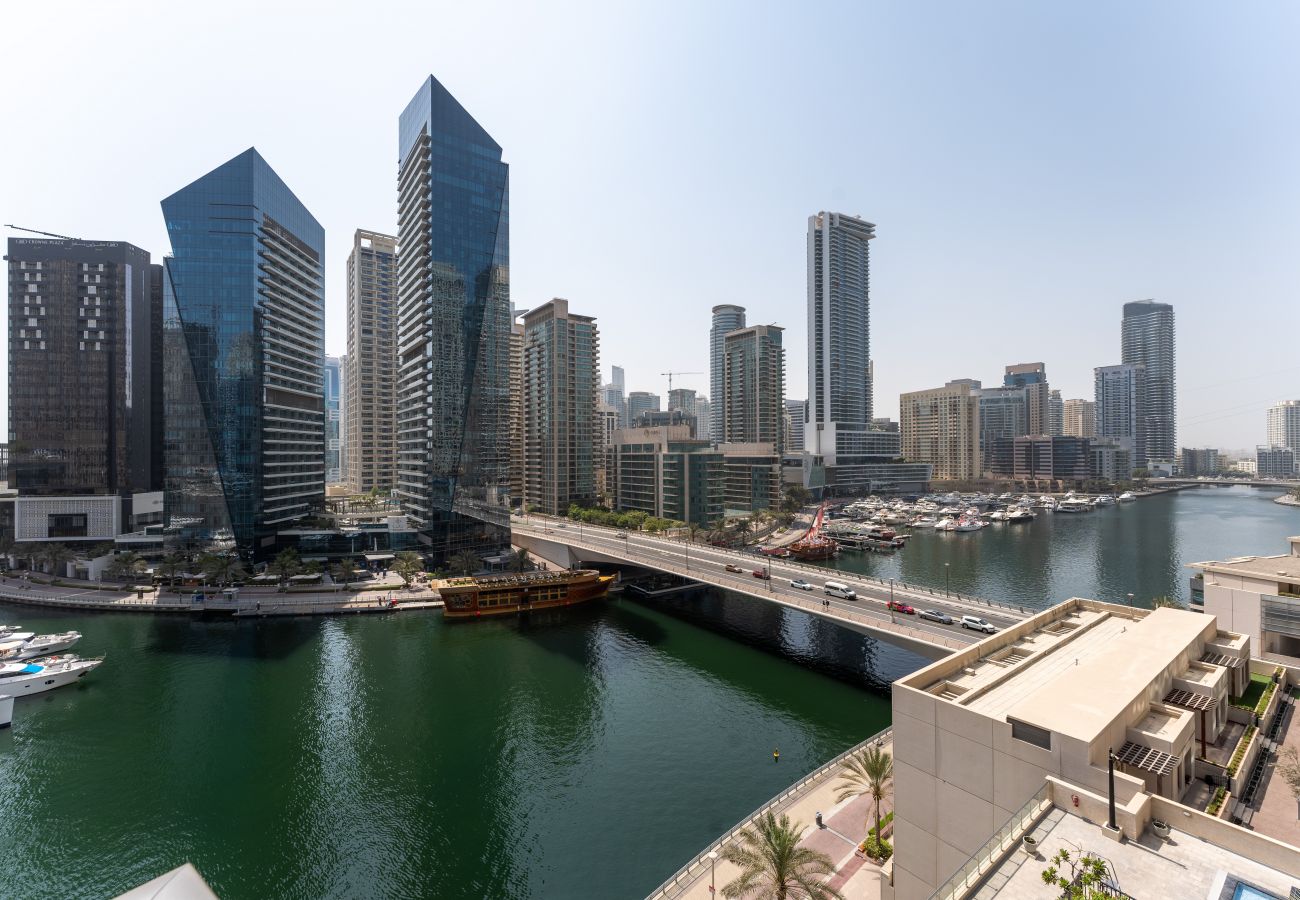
pixel 843 591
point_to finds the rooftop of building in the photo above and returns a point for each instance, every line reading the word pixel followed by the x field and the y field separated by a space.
pixel 1285 565
pixel 1046 670
pixel 1181 866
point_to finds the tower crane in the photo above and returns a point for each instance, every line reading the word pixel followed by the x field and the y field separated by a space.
pixel 46 233
pixel 671 374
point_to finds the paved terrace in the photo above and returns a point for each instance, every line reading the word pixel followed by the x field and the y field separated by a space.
pixel 856 877
pixel 569 542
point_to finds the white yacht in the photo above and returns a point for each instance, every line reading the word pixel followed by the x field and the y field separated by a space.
pixel 18 679
pixel 970 524
pixel 1104 500
pixel 947 523
pixel 36 645
pixel 997 516
pixel 1126 497
pixel 1019 514
pixel 1073 505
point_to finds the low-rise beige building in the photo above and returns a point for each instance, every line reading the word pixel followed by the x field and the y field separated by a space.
pixel 978 734
pixel 1258 596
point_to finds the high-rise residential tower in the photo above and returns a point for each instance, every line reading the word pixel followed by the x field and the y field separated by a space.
pixel 244 335
pixel 753 390
pixel 796 412
pixel 85 385
pixel 1079 418
pixel 1147 340
pixel 1121 395
pixel 371 433
pixel 704 417
pixel 683 399
pixel 639 402
pixel 333 420
pixel 453 328
pixel 839 335
pixel 1038 409
pixel 518 451
pixel 1284 425
pixel 1056 411
pixel 1004 416
pixel 942 427
pixel 726 319
pixel 561 386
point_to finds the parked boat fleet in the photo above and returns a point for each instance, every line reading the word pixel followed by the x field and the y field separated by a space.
pixel 873 517
pixel 32 663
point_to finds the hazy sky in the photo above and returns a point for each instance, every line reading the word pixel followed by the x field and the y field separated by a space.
pixel 1029 166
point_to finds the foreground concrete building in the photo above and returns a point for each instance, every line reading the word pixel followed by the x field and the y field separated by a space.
pixel 1258 596
pixel 980 734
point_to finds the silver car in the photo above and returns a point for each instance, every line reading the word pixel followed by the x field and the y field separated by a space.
pixel 801 584
pixel 935 616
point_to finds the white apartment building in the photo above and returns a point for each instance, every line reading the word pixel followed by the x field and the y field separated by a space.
pixel 1258 596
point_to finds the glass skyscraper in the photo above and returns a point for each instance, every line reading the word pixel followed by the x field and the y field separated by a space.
pixel 1147 340
pixel 333 419
pixel 453 332
pixel 244 337
pixel 727 318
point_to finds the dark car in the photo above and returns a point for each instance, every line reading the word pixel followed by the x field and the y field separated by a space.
pixel 935 616
pixel 731 568
pixel 896 606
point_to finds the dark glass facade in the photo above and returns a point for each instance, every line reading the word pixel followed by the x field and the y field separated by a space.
pixel 453 330
pixel 244 314
pixel 85 378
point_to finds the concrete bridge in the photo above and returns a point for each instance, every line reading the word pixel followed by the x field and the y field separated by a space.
pixel 571 543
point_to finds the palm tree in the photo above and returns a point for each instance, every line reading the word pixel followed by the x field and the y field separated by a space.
pixel 221 568
pixel 774 867
pixel 1165 600
pixel 346 570
pixel 124 565
pixel 466 562
pixel 519 560
pixel 286 564
pixel 867 772
pixel 693 531
pixel 407 564
pixel 53 556
pixel 172 565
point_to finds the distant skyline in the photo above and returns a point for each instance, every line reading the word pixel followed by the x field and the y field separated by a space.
pixel 1030 168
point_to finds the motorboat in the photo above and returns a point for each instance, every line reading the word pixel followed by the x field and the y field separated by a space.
pixel 1104 500
pixel 997 516
pixel 37 645
pixel 1019 514
pixel 948 523
pixel 1074 505
pixel 925 522
pixel 969 524
pixel 1126 497
pixel 18 679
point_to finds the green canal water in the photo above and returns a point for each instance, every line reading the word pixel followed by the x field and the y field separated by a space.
pixel 581 754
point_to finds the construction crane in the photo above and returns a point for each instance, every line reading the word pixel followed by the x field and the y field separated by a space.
pixel 46 233
pixel 671 374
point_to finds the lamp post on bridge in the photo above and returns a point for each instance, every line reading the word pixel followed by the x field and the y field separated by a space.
pixel 947 581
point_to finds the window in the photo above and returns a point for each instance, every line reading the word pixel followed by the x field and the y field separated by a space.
pixel 1031 734
pixel 67 525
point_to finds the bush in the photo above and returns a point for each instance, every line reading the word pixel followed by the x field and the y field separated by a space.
pixel 1216 803
pixel 876 849
pixel 1241 750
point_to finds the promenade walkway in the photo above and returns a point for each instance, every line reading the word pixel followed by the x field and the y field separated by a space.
pixel 846 826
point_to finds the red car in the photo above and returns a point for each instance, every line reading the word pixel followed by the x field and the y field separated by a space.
pixel 901 607
pixel 731 568
pixel 762 573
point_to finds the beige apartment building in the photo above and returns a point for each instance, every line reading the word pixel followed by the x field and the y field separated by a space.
pixel 370 426
pixel 1042 705
pixel 1258 596
pixel 1079 418
pixel 942 427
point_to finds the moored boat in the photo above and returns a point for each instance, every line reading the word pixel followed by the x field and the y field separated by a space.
pixel 36 645
pixel 18 679
pixel 498 595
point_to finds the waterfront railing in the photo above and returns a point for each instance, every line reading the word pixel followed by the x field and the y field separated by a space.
pixel 684 877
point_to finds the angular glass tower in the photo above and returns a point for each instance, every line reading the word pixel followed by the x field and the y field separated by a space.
pixel 244 338
pixel 453 328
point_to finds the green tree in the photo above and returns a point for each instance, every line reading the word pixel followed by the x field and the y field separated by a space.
pixel 53 556
pixel 346 570
pixel 466 562
pixel 172 565
pixel 773 866
pixel 1165 600
pixel 693 531
pixel 286 564
pixel 1086 879
pixel 221 568
pixel 869 772
pixel 123 566
pixel 407 565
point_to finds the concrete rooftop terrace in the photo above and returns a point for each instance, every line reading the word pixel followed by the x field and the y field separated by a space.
pixel 1046 671
pixel 1285 565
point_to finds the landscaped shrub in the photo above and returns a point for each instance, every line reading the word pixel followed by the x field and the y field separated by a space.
pixel 1216 803
pixel 1241 750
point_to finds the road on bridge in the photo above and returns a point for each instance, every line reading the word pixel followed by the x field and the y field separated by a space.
pixel 708 564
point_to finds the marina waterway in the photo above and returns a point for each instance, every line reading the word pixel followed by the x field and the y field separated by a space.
pixel 580 753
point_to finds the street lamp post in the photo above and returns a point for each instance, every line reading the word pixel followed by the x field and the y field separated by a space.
pixel 947 581
pixel 713 863
pixel 1130 599
pixel 1111 799
pixel 891 590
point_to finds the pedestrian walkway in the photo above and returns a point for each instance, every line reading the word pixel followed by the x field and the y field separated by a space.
pixel 846 824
